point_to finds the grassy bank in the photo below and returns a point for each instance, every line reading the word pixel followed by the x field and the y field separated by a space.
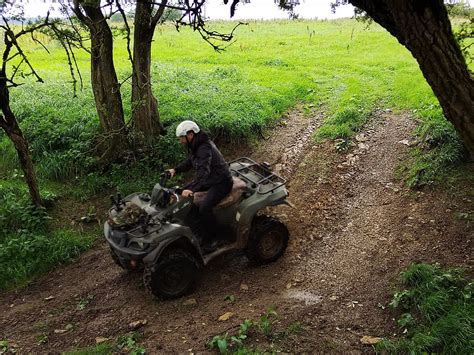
pixel 436 312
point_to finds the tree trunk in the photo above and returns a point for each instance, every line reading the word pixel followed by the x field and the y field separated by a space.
pixel 145 115
pixel 423 27
pixel 9 123
pixel 105 86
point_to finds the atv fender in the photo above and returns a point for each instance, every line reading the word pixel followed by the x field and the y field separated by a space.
pixel 181 237
pixel 285 202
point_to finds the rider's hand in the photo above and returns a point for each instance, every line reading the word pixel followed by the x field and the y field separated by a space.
pixel 186 193
pixel 172 172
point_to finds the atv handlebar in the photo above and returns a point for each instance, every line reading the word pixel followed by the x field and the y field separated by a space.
pixel 165 176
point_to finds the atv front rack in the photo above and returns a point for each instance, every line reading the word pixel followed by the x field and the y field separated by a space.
pixel 259 176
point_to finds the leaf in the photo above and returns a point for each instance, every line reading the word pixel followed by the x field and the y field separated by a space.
pixel 222 345
pixel 244 287
pixel 137 324
pixel 226 316
pixel 369 340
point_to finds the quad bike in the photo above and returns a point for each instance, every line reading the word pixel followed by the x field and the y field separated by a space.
pixel 153 233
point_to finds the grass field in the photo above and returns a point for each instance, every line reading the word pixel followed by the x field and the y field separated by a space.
pixel 342 66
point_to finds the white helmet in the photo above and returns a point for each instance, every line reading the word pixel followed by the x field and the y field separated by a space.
pixel 186 126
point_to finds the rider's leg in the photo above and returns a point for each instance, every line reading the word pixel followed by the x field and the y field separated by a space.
pixel 214 195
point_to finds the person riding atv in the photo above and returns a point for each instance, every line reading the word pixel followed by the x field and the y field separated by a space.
pixel 153 233
pixel 212 175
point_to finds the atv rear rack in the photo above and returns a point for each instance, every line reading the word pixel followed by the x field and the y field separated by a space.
pixel 258 175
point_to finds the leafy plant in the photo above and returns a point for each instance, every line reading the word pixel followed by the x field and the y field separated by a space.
pixel 83 302
pixel 230 298
pixel 235 343
pixel 266 321
pixel 220 342
pixel 42 339
pixel 129 343
pixel 6 347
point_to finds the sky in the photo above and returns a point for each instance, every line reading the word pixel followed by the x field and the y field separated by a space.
pixel 257 9
pixel 266 9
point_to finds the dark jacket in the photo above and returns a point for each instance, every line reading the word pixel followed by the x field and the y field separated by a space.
pixel 207 160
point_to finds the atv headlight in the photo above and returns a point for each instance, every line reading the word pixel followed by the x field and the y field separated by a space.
pixel 138 245
pixel 106 229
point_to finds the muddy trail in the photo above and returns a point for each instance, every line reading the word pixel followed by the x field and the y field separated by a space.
pixel 353 228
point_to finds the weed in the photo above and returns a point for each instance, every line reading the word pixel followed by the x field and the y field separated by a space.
pixel 220 342
pixel 235 343
pixel 295 328
pixel 42 339
pixel 342 145
pixel 230 298
pixel 130 344
pixel 266 321
pixel 6 347
pixel 83 302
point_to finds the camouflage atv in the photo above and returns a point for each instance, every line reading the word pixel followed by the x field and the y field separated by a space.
pixel 153 233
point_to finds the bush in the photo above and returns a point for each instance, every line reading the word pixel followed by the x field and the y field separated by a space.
pixel 28 245
pixel 24 255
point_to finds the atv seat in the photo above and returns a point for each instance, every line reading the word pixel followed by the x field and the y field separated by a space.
pixel 234 196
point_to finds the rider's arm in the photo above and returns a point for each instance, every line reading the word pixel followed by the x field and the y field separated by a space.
pixel 203 168
pixel 184 166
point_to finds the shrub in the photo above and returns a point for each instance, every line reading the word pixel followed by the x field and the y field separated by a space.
pixel 28 245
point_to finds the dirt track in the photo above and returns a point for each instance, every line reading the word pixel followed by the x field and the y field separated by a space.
pixel 353 229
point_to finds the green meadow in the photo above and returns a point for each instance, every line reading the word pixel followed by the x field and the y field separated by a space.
pixel 343 68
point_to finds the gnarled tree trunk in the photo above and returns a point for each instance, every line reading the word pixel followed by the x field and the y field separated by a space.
pixel 9 123
pixel 423 27
pixel 145 114
pixel 105 84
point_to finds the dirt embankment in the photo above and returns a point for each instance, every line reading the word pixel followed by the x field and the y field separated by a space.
pixel 353 228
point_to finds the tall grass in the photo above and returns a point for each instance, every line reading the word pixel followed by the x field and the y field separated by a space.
pixel 438 312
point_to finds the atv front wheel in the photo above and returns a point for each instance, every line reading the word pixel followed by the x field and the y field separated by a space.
pixel 173 276
pixel 267 241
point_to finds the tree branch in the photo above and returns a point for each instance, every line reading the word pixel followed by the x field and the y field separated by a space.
pixel 159 13
pixel 127 28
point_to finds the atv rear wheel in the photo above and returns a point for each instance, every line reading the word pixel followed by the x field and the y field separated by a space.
pixel 267 241
pixel 173 276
